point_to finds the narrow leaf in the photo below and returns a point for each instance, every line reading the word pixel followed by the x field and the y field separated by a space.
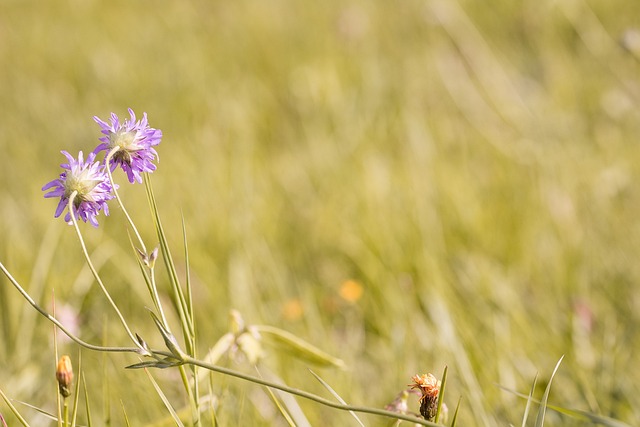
pixel 13 409
pixel 543 403
pixel 443 383
pixel 529 400
pixel 166 402
pixel 298 347
pixel 335 394
pixel 455 414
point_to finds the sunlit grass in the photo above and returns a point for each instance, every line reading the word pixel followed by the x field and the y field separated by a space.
pixel 472 168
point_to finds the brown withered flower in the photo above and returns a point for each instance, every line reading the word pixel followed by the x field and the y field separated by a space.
pixel 64 375
pixel 429 386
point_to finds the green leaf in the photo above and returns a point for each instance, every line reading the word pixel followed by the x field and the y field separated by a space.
pixel 529 400
pixel 169 340
pixel 443 383
pixel 298 347
pixel 86 401
pixel 167 362
pixel 543 404
pixel 166 402
pixel 14 410
pixel 455 414
pixel 336 395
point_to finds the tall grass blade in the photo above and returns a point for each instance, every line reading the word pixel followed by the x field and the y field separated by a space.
pixel 86 401
pixel 336 395
pixel 124 412
pixel 178 297
pixel 455 414
pixel 577 414
pixel 298 347
pixel 529 400
pixel 443 383
pixel 41 411
pixel 281 408
pixel 13 409
pixel 166 402
pixel 76 394
pixel 543 403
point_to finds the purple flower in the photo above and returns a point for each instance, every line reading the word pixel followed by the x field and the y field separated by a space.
pixel 135 141
pixel 90 180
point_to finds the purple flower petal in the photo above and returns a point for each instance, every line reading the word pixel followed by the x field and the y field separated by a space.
pixel 91 182
pixel 135 141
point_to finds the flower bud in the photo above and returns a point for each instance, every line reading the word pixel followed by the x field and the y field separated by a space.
pixel 64 375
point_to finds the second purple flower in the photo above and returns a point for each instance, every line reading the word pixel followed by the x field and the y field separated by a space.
pixel 135 141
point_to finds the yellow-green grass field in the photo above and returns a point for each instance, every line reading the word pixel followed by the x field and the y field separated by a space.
pixel 406 185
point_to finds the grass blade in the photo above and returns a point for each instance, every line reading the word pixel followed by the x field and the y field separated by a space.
pixel 576 413
pixel 529 400
pixel 455 414
pixel 443 382
pixel 298 347
pixel 13 409
pixel 336 395
pixel 543 403
pixel 124 412
pixel 166 402
pixel 86 401
pixel 76 396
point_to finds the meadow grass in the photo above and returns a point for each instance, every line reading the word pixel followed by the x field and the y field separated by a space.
pixel 469 167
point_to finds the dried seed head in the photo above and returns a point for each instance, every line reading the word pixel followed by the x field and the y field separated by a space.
pixel 429 386
pixel 64 375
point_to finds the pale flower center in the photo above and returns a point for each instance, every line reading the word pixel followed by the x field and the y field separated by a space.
pixel 126 141
pixel 81 183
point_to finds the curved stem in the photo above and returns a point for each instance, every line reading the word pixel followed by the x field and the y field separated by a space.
pixel 56 322
pixel 307 395
pixel 194 362
pixel 95 272
pixel 115 192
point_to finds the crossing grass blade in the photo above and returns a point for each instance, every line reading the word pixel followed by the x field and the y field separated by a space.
pixel 166 402
pixel 86 401
pixel 336 395
pixel 580 415
pixel 529 400
pixel 543 403
pixel 124 413
pixel 14 410
pixel 443 383
pixel 76 394
pixel 454 420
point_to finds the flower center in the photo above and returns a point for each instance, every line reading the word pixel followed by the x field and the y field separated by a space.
pixel 80 182
pixel 126 141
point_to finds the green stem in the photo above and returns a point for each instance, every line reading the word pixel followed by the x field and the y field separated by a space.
pixel 115 192
pixel 307 395
pixel 65 411
pixel 95 272
pixel 156 298
pixel 56 322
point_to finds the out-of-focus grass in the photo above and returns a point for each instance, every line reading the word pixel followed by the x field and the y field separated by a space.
pixel 471 166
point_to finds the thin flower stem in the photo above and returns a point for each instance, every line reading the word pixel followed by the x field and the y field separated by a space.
pixel 56 322
pixel 307 395
pixel 66 412
pixel 156 298
pixel 95 272
pixel 115 192
pixel 194 362
pixel 195 412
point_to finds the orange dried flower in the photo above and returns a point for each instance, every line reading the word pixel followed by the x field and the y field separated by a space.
pixel 429 386
pixel 64 375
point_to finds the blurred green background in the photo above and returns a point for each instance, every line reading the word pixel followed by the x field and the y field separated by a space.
pixel 470 167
